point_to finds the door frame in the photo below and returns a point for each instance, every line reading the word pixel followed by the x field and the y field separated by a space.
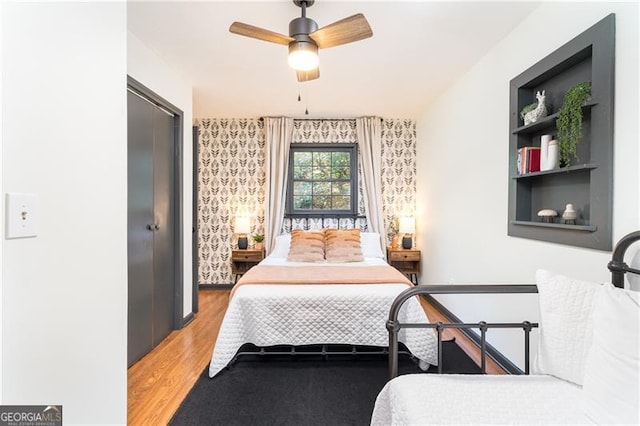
pixel 195 258
pixel 178 255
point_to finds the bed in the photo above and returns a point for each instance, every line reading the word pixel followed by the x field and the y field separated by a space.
pixel 281 302
pixel 586 369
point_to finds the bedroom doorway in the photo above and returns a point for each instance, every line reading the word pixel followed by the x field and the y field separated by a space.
pixel 154 220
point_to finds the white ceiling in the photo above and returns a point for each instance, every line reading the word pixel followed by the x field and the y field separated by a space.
pixel 417 50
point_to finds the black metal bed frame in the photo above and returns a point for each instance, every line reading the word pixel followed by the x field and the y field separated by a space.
pixel 324 350
pixel 617 266
pixel 339 218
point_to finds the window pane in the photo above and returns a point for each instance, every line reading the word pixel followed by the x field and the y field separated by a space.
pixel 340 159
pixel 302 202
pixel 340 173
pixel 341 202
pixel 321 178
pixel 321 188
pixel 302 158
pixel 322 202
pixel 341 188
pixel 322 173
pixel 301 188
pixel 302 172
pixel 321 158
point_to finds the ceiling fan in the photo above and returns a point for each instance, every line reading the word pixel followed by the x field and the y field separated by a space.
pixel 305 38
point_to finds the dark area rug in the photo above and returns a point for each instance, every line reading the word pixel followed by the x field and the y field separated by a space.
pixel 306 390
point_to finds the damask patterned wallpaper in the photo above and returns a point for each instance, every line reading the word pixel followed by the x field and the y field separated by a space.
pixel 231 179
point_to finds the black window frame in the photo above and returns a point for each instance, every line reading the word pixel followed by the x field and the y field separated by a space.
pixel 352 149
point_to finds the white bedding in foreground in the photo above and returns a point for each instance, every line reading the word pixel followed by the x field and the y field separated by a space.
pixel 420 399
pixel 267 315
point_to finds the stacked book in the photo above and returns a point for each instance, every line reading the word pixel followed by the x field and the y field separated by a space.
pixel 528 160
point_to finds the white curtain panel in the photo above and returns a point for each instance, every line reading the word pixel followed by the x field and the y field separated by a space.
pixel 278 135
pixel 369 133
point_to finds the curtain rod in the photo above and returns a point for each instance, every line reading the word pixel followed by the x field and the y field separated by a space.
pixel 321 119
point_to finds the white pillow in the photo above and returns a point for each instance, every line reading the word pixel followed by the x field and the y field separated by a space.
pixel 371 245
pixel 612 376
pixel 566 323
pixel 281 249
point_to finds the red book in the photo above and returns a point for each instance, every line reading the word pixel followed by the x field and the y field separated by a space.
pixel 534 159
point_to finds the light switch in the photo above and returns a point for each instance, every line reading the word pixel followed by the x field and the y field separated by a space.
pixel 22 217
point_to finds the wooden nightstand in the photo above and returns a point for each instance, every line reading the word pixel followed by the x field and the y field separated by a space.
pixel 243 260
pixel 406 261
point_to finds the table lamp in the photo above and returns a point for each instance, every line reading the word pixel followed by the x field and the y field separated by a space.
pixel 242 228
pixel 407 227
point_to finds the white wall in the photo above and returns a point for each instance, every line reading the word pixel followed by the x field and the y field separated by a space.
pixel 64 310
pixel 149 69
pixel 1 209
pixel 463 170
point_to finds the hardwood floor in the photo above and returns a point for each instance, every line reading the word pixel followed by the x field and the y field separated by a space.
pixel 159 382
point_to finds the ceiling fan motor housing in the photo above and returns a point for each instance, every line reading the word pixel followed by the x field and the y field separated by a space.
pixel 302 26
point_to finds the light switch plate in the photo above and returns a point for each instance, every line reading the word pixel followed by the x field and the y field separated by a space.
pixel 21 215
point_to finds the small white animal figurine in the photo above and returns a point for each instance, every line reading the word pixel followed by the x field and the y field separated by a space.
pixel 540 111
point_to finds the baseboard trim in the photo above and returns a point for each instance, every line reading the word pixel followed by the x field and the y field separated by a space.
pixel 187 320
pixel 502 361
pixel 215 286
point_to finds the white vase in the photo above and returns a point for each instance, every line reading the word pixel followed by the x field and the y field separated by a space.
pixel 544 151
pixel 552 156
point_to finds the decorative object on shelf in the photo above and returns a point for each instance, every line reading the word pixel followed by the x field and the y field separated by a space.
pixel 536 113
pixel 407 227
pixel 569 121
pixel 569 215
pixel 528 160
pixel 242 227
pixel 258 239
pixel 551 161
pixel 547 215
pixel 544 151
pixel 527 109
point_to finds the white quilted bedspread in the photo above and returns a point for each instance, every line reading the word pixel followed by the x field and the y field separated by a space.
pixel 421 399
pixel 267 315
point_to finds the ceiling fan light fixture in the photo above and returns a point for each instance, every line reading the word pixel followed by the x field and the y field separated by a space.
pixel 303 56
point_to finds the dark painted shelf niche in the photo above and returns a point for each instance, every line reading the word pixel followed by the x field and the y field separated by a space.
pixel 588 182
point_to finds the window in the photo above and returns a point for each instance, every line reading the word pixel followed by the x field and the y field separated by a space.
pixel 323 178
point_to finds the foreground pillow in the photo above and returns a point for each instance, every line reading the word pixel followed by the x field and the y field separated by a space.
pixel 306 246
pixel 343 245
pixel 612 376
pixel 566 325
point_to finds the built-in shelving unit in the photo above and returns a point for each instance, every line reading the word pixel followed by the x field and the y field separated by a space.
pixel 588 182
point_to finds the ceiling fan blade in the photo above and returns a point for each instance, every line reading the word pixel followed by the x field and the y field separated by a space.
pixel 344 31
pixel 259 33
pixel 308 75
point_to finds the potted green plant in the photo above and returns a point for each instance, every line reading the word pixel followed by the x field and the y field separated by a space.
pixel 258 239
pixel 527 109
pixel 569 121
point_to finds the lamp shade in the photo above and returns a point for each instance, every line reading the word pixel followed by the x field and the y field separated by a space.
pixel 407 225
pixel 242 225
pixel 303 56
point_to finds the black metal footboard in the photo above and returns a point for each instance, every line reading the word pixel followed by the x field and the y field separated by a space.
pixel 394 326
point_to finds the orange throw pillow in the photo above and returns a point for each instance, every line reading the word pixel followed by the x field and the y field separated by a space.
pixel 343 245
pixel 306 246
